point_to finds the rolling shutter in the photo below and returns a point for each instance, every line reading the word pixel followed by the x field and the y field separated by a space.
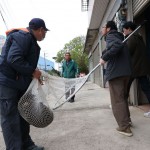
pixel 138 5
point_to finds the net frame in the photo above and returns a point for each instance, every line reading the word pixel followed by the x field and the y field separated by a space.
pixel 59 101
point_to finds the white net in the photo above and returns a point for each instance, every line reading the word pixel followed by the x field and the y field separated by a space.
pixel 61 90
pixel 34 106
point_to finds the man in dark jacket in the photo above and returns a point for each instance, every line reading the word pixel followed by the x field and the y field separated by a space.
pixel 139 60
pixel 117 74
pixel 69 70
pixel 18 64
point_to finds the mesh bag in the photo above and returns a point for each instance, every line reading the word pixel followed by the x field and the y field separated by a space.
pixel 55 91
pixel 33 106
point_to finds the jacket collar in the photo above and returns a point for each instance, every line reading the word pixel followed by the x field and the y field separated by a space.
pixel 16 29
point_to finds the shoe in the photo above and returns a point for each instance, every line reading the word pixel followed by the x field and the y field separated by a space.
pixel 35 147
pixel 126 132
pixel 147 114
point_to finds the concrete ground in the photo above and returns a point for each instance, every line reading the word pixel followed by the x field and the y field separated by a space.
pixel 88 124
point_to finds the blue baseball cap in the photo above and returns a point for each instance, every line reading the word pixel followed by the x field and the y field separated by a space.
pixel 37 23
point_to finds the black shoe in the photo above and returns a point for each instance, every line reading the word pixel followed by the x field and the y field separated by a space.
pixel 35 147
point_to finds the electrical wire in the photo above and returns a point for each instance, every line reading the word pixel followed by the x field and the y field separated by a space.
pixel 3 18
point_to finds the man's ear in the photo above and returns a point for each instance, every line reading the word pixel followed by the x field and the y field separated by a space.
pixel 130 30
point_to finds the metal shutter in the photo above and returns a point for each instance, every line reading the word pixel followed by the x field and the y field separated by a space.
pixel 138 5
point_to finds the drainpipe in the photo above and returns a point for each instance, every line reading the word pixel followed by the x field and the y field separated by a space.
pixel 101 67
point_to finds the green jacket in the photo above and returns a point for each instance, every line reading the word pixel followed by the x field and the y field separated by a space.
pixel 70 69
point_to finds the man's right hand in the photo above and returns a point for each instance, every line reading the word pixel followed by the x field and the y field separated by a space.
pixel 102 62
pixel 37 74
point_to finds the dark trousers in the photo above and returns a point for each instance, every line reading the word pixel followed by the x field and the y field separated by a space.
pixel 15 129
pixel 70 92
pixel 144 83
pixel 119 101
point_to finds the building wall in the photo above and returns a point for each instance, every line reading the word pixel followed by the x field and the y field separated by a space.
pixel 136 96
pixel 90 9
pixel 110 12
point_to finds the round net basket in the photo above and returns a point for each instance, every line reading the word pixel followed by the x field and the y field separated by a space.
pixel 34 110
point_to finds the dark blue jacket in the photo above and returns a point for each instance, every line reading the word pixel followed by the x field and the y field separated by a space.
pixel 19 59
pixel 117 56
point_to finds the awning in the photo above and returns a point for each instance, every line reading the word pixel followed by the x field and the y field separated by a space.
pixel 90 38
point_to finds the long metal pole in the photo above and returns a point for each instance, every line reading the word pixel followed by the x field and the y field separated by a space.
pixel 55 107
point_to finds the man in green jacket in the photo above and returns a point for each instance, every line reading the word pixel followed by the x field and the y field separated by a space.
pixel 69 70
